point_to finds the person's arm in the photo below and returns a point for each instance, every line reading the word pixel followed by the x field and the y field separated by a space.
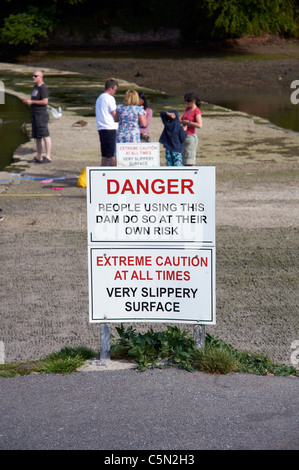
pixel 42 102
pixel 149 115
pixel 197 123
pixel 142 120
pixel 171 115
pixel 115 116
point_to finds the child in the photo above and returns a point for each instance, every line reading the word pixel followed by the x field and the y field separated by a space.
pixel 172 137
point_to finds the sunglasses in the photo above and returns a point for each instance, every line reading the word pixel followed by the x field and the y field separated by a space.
pixel 35 75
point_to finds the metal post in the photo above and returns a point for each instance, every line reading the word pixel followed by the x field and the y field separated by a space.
pixel 199 332
pixel 105 342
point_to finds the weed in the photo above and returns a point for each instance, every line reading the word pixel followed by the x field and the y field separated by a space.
pixel 154 348
pixel 61 365
pixel 172 347
pixel 67 352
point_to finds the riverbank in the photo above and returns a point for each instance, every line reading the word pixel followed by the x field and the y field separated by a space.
pixel 249 63
pixel 44 306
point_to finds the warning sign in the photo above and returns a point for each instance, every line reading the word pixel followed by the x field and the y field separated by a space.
pixel 150 285
pixel 146 154
pixel 152 206
pixel 151 240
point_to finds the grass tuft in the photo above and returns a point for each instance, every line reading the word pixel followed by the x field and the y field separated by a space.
pixel 66 361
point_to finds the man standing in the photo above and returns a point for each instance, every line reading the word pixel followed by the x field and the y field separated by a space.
pixel 105 112
pixel 39 117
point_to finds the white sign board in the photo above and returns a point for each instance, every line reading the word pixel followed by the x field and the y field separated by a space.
pixel 153 206
pixel 146 154
pixel 151 238
pixel 152 285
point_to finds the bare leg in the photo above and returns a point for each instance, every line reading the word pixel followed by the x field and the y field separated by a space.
pixel 108 161
pixel 104 161
pixel 39 148
pixel 48 145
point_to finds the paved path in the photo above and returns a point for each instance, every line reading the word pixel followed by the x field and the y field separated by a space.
pixel 153 410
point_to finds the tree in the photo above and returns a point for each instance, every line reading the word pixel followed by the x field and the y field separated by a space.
pixel 234 18
pixel 28 26
pixel 23 24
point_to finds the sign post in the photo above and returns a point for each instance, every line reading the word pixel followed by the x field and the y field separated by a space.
pixel 105 343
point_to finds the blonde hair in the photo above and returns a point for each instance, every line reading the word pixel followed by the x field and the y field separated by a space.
pixel 131 98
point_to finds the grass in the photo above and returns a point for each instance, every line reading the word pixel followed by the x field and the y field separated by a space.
pixel 172 347
pixel 222 358
pixel 65 361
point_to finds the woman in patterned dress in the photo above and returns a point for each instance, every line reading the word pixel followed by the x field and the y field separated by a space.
pixel 130 117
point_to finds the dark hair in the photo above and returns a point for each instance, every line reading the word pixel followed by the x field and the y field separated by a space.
pixel 144 98
pixel 192 96
pixel 110 83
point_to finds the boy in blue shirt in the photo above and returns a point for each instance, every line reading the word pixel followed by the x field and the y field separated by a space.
pixel 172 137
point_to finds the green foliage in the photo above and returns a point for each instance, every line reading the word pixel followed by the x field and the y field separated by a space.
pixel 258 364
pixel 64 353
pixel 27 27
pixel 215 361
pixel 174 347
pixel 65 365
pixel 242 361
pixel 17 368
pixel 234 18
pixel 21 24
pixel 155 348
pixel 66 361
pixel 217 357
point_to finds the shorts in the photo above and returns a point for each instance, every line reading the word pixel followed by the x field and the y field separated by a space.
pixel 39 125
pixel 108 142
pixel 190 146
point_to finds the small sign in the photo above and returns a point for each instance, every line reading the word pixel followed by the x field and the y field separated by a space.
pixel 146 154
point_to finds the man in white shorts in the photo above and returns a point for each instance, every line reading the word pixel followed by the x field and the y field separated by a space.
pixel 105 111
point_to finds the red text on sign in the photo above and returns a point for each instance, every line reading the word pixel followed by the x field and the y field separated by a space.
pixel 157 186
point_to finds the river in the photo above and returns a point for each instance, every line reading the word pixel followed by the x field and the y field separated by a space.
pixel 13 114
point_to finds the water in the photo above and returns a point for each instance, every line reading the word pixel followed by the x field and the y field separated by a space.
pixel 13 114
pixel 275 107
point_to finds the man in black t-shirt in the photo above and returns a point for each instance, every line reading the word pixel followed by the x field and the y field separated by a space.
pixel 40 117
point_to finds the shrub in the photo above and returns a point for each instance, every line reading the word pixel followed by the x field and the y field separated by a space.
pixel 27 27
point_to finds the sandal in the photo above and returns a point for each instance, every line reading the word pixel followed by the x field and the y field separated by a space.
pixel 46 160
